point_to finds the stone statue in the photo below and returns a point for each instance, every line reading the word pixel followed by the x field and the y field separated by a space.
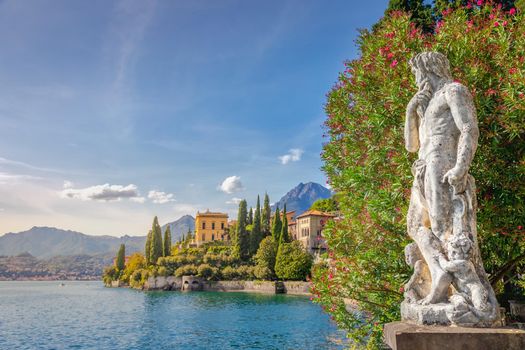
pixel 449 285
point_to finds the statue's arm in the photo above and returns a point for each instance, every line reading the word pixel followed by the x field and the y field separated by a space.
pixel 464 114
pixel 411 127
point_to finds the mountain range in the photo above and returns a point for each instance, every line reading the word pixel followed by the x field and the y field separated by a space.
pixel 46 242
pixel 302 196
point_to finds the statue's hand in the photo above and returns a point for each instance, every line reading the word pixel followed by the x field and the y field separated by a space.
pixel 456 178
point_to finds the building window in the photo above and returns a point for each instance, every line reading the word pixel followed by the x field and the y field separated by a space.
pixel 204 225
pixel 213 237
pixel 222 225
pixel 203 237
pixel 213 226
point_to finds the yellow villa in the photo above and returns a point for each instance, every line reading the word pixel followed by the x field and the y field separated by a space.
pixel 210 227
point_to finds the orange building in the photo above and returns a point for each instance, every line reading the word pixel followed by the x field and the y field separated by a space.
pixel 308 229
pixel 210 227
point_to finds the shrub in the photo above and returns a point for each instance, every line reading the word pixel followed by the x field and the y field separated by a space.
pixel 292 262
pixel 245 273
pixel 229 273
pixel 186 270
pixel 208 272
pixel 265 257
pixel 263 273
pixel 162 271
pixel 110 274
pixel 366 162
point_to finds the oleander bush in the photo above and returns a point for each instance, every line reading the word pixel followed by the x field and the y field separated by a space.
pixel 366 162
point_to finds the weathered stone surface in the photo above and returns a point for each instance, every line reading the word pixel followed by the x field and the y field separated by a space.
pixel 163 283
pixel 297 288
pixel 409 336
pixel 449 284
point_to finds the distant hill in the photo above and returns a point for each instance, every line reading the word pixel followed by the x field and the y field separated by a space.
pixel 302 197
pixel 180 227
pixel 45 242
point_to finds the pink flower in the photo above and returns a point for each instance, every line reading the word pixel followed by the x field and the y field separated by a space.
pixel 505 23
pixel 512 11
pixel 480 2
pixel 496 24
pixel 390 35
pixel 393 64
pixel 520 227
pixel 491 16
pixel 390 55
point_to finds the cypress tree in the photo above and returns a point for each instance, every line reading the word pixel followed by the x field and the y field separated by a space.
pixel 120 262
pixel 147 248
pixel 167 241
pixel 241 239
pixel 250 216
pixel 266 215
pixel 256 236
pixel 156 249
pixel 285 238
pixel 421 13
pixel 277 225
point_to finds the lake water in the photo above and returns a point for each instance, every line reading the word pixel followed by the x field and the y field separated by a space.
pixel 85 315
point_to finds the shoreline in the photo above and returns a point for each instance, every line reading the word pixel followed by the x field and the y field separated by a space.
pixel 172 283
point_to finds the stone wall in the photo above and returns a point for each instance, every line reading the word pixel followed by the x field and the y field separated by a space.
pixel 297 287
pixel 163 283
pixel 175 283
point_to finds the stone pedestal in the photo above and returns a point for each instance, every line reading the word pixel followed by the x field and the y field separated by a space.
pixel 409 336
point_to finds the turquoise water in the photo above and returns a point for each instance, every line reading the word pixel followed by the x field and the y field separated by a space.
pixel 85 315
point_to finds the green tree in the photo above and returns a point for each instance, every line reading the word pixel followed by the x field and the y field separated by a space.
pixel 120 261
pixel 167 241
pixel 420 13
pixel 266 216
pixel 156 249
pixel 277 225
pixel 242 240
pixel 284 236
pixel 292 262
pixel 326 205
pixel 250 216
pixel 256 235
pixel 265 257
pixel 366 162
pixel 147 248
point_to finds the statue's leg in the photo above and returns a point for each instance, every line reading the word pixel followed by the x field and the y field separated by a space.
pixel 418 225
pixel 439 203
pixel 439 199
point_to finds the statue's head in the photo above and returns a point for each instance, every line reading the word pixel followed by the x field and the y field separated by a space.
pixel 459 247
pixel 427 64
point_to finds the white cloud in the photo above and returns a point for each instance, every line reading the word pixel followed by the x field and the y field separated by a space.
pixel 138 199
pixel 68 184
pixel 294 155
pixel 231 184
pixel 234 200
pixel 160 197
pixel 104 192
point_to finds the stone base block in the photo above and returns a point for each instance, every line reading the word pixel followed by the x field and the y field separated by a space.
pixel 435 314
pixel 409 336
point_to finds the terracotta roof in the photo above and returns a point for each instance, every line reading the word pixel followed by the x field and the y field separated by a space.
pixel 315 213
pixel 209 213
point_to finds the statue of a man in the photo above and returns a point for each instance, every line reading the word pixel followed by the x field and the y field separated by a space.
pixel 441 125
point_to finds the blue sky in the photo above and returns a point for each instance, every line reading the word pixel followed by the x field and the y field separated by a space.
pixel 113 112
